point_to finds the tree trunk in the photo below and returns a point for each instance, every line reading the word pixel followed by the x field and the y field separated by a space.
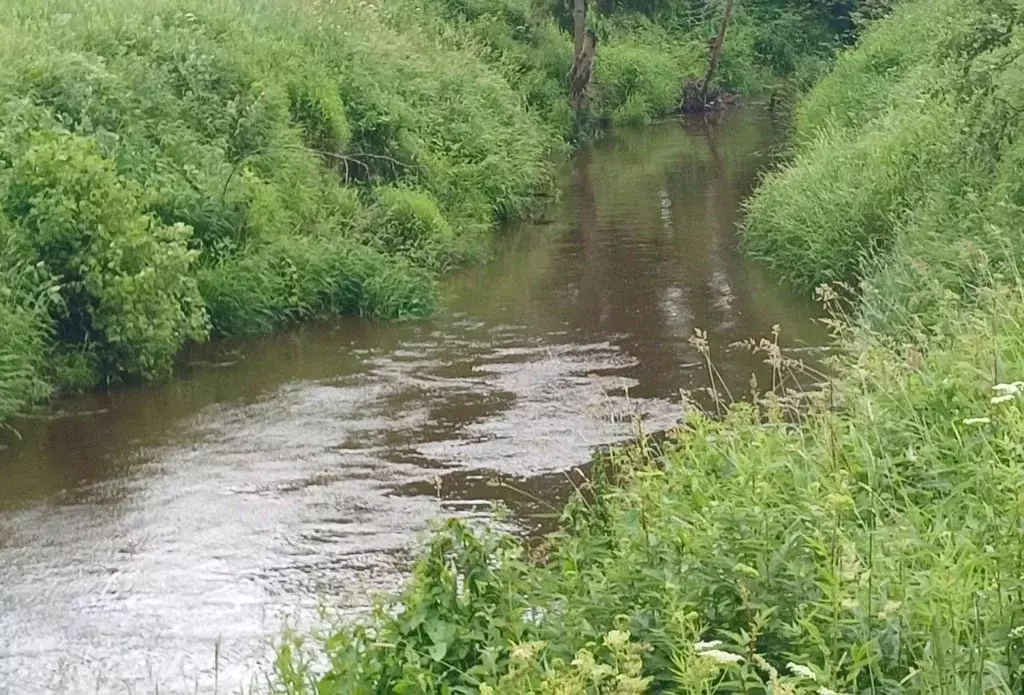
pixel 584 51
pixel 716 51
pixel 579 27
pixel 582 71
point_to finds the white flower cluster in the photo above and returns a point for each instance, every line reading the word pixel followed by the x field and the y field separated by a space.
pixel 1006 392
pixel 710 650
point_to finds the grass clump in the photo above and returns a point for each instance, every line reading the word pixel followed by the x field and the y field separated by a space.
pixel 906 124
pixel 27 293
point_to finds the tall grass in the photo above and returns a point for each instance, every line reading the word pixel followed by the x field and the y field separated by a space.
pixel 26 295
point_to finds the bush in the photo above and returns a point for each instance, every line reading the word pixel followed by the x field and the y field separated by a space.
pixel 125 278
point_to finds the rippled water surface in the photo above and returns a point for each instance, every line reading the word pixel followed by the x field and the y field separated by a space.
pixel 144 531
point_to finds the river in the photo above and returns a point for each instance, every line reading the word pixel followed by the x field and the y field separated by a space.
pixel 147 533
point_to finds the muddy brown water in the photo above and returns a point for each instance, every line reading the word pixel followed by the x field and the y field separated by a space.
pixel 143 532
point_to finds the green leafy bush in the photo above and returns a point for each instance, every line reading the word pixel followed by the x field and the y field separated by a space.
pixel 124 277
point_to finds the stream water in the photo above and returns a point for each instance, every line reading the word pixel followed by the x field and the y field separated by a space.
pixel 144 531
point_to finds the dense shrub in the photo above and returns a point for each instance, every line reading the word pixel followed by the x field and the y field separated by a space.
pixel 124 276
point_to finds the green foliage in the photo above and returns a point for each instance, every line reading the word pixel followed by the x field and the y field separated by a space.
pixel 124 277
pixel 27 293
pixel 900 142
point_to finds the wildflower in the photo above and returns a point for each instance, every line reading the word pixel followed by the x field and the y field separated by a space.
pixel 759 661
pixel 722 657
pixel 486 689
pixel 1006 397
pixel 890 609
pixel 827 691
pixel 977 421
pixel 746 570
pixel 525 651
pixel 616 639
pixel 1009 389
pixel 705 646
pixel 631 685
pixel 584 661
pixel 801 671
pixel 850 604
pixel 1017 632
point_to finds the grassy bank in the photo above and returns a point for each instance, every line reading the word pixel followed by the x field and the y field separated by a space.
pixel 871 542
pixel 173 170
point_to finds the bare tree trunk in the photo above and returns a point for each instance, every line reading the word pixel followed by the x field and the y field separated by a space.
pixel 716 51
pixel 584 51
pixel 579 27
pixel 582 71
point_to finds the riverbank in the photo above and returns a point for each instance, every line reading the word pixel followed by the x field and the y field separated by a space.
pixel 175 171
pixel 872 544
